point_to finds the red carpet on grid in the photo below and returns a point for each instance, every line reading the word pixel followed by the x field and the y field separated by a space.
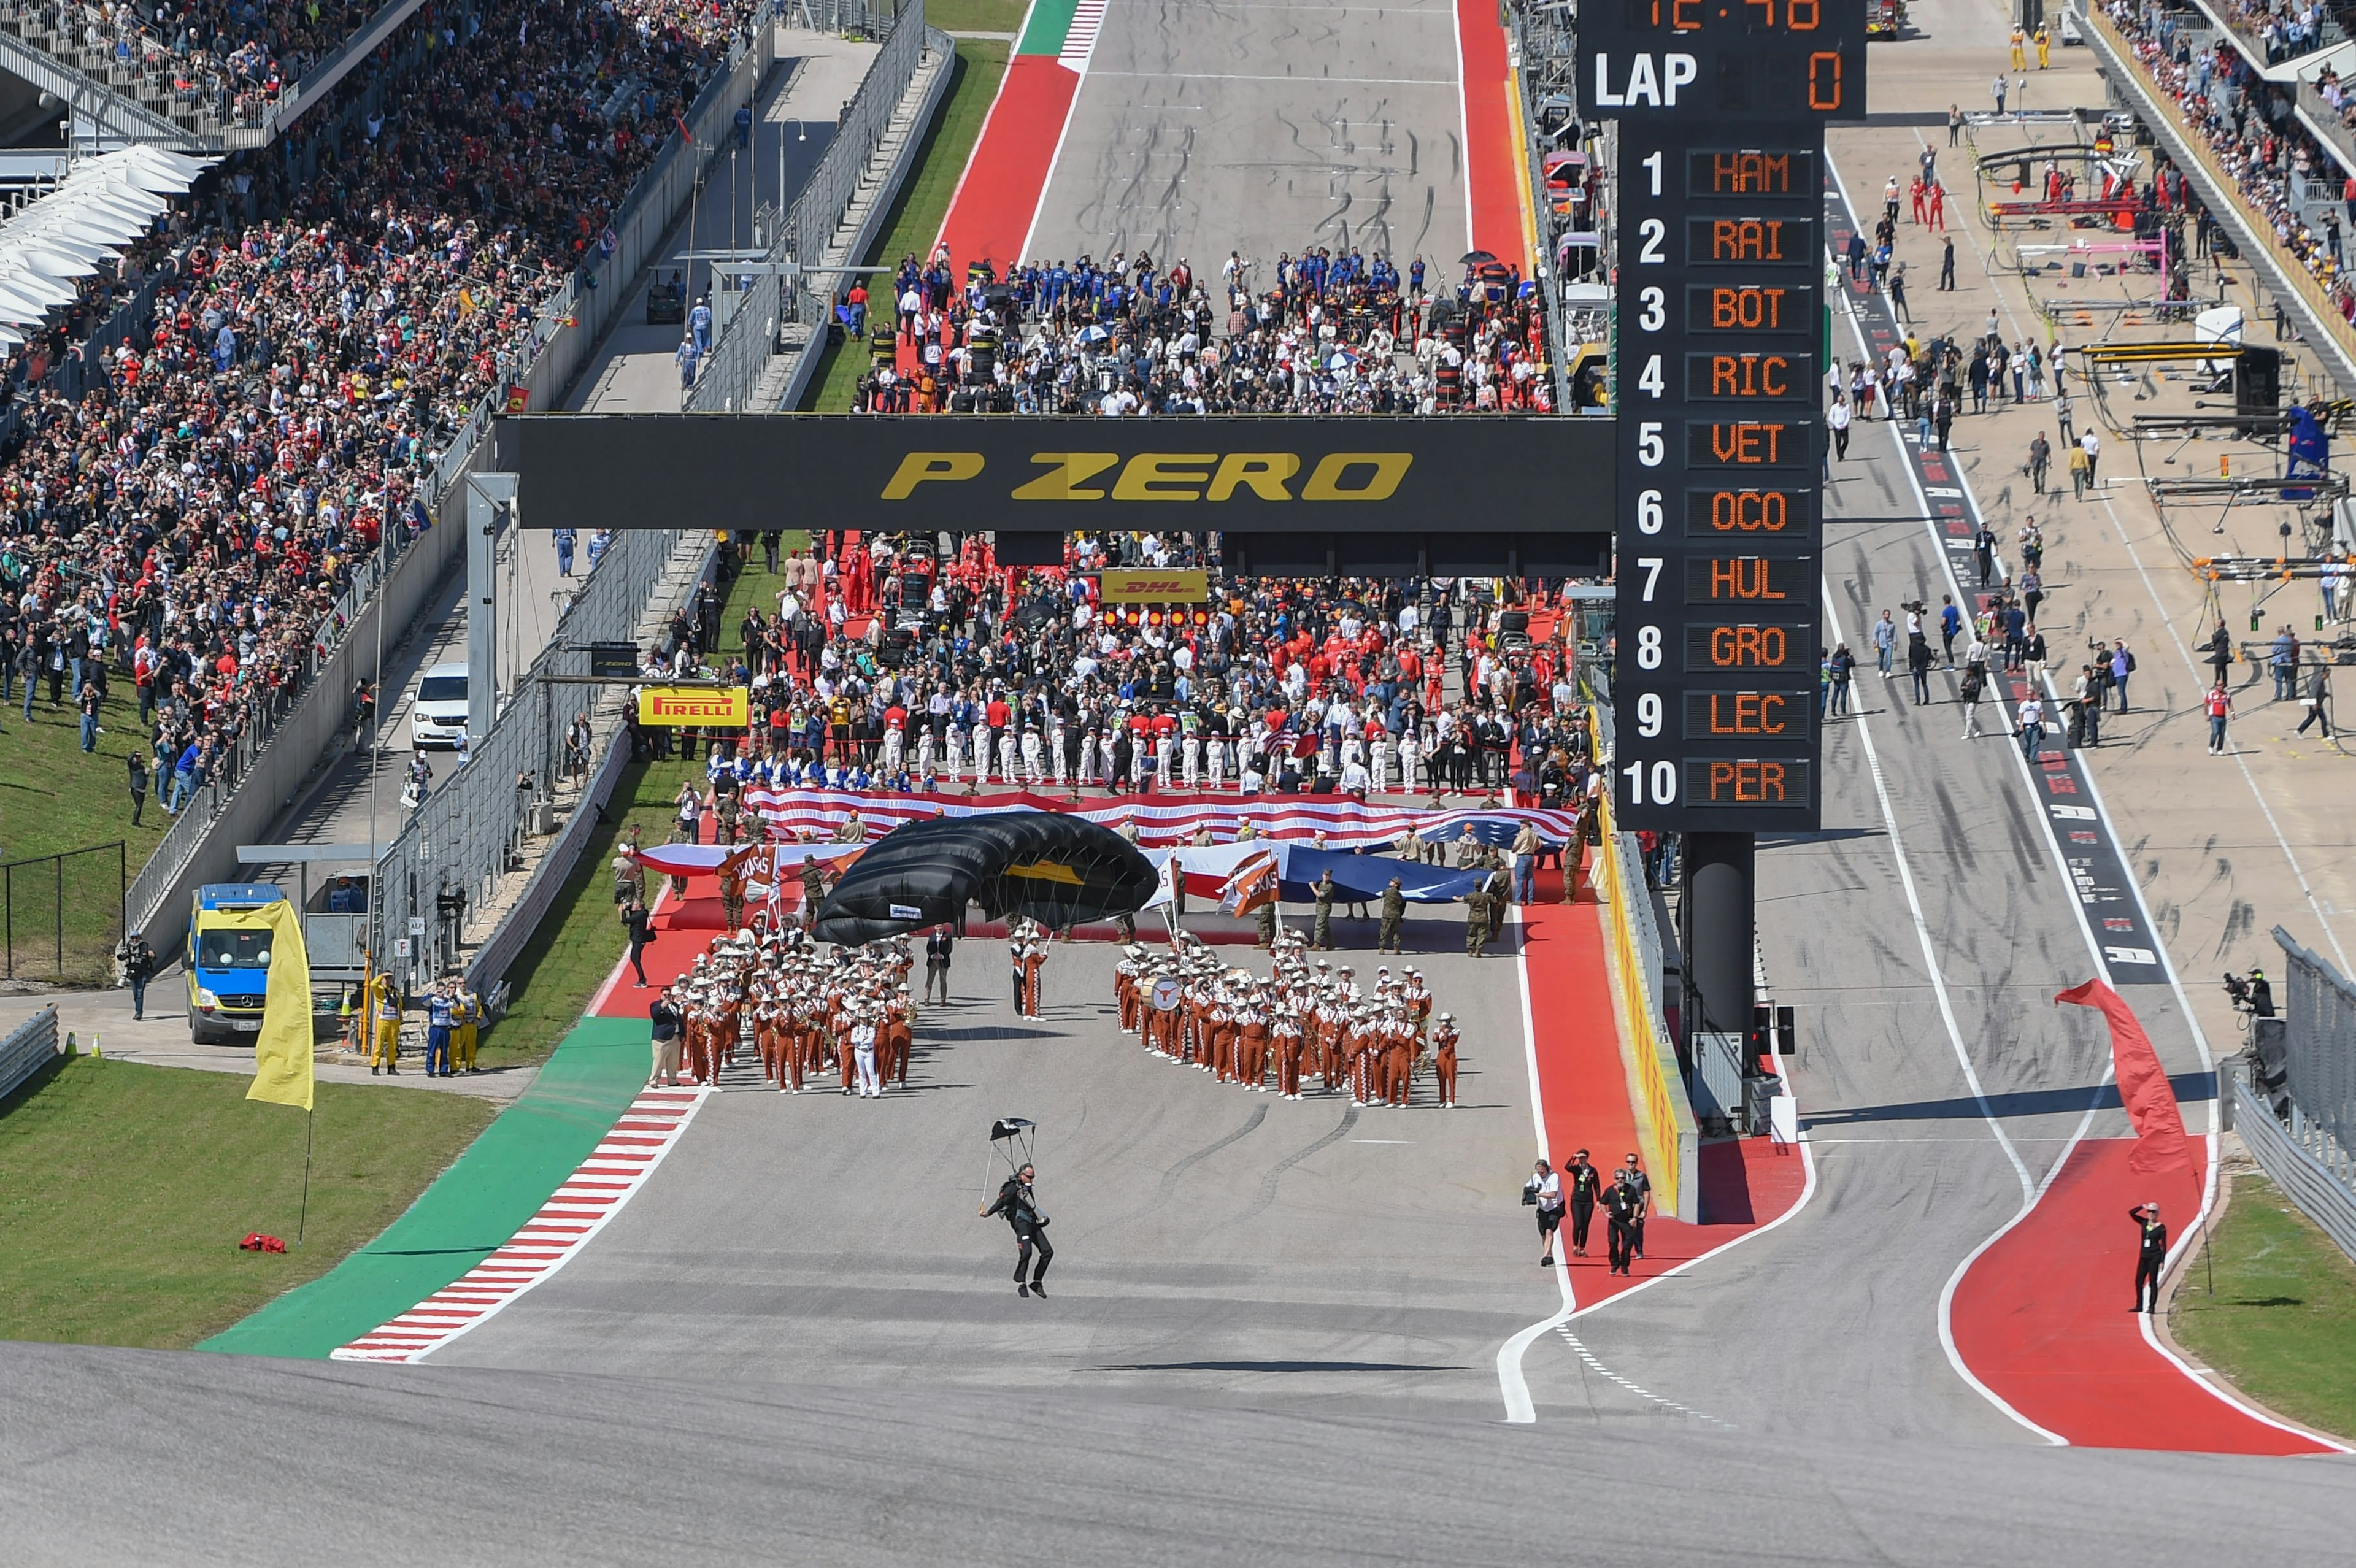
pixel 2042 1318
pixel 1584 1090
pixel 1007 174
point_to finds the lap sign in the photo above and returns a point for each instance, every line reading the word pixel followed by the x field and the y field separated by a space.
pixel 1646 84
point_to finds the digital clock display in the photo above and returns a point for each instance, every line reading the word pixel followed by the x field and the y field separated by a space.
pixel 1744 58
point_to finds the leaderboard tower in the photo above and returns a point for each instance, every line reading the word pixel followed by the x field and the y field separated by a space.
pixel 1721 107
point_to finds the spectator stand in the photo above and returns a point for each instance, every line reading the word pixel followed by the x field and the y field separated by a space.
pixel 372 420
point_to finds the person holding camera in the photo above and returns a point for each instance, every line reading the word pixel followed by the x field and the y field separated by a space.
pixel 1543 1191
pixel 139 965
pixel 1019 1205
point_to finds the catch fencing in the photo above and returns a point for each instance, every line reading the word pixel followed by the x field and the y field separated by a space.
pixel 2296 1105
pixel 61 916
pixel 731 373
pixel 447 859
pixel 1635 938
pixel 271 764
pixel 2319 1042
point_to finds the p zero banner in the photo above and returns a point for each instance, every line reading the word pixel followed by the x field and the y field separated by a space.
pixel 1173 587
pixel 1518 475
pixel 730 707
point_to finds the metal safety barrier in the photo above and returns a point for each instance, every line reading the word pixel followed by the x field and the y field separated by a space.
pixel 732 372
pixel 2298 1157
pixel 1635 940
pixel 448 858
pixel 30 1047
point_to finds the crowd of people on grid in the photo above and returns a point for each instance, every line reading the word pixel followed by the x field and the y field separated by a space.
pixel 189 523
pixel 1318 332
pixel 995 676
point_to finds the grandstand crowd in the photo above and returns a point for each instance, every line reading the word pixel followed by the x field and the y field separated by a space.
pixel 187 523
pixel 884 668
pixel 2250 128
pixel 1316 333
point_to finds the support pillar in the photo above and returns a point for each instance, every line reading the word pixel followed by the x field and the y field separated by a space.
pixel 490 507
pixel 1720 919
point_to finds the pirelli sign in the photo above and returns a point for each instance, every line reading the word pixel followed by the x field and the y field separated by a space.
pixel 728 708
pixel 1340 477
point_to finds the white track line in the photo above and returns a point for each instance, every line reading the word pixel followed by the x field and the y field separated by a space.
pixel 1963 1056
pixel 2209 1185
pixel 1600 1370
pixel 580 1208
pixel 1510 1384
pixel 1520 1407
pixel 1080 39
pixel 2181 645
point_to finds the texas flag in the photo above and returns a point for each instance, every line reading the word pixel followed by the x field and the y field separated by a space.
pixel 1252 885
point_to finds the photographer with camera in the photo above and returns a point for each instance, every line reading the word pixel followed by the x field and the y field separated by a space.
pixel 1543 1191
pixel 2253 996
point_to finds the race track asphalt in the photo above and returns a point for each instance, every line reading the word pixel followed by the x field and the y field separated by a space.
pixel 1263 126
pixel 135 1457
pixel 1212 1246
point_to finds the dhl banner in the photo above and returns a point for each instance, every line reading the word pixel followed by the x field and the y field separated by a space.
pixel 1154 587
pixel 730 707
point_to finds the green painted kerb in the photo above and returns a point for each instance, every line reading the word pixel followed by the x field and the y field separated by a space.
pixel 473 1208
pixel 1044 28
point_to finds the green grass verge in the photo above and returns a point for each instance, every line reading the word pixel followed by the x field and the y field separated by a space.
pixel 2282 1324
pixel 472 1210
pixel 578 943
pixel 915 218
pixel 54 797
pixel 124 1190
pixel 975 16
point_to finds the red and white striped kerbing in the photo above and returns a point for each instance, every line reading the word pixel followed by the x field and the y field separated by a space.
pixel 551 1238
pixel 1160 819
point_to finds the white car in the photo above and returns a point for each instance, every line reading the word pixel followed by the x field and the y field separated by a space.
pixel 437 713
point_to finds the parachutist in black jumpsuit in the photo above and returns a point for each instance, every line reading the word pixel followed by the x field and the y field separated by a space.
pixel 1017 1201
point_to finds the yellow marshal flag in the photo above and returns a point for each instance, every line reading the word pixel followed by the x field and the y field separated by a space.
pixel 731 708
pixel 282 1052
pixel 1175 587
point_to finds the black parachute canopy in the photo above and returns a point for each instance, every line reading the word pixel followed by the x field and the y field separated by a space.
pixel 1059 870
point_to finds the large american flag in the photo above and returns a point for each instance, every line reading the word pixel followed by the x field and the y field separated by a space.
pixel 1160 819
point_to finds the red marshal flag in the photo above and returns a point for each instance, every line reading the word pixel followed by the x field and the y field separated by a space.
pixel 2144 1089
pixel 1250 886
